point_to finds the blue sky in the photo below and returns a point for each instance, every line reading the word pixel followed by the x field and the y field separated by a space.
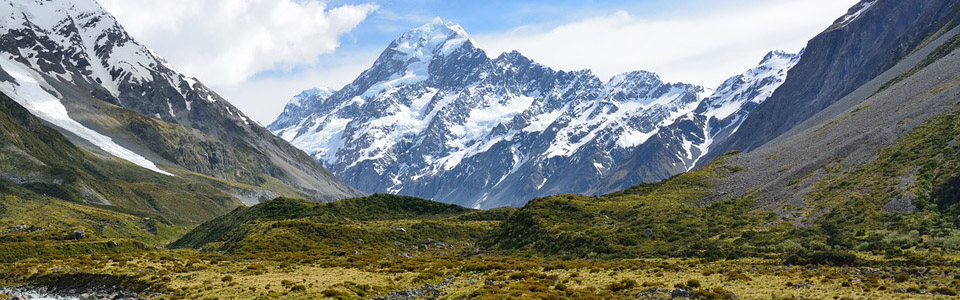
pixel 393 18
pixel 313 43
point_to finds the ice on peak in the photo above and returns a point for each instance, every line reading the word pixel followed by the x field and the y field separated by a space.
pixel 415 50
pixel 439 25
pixel 776 54
pixel 434 37
pixel 775 60
pixel 635 77
pixel 320 93
pixel 755 85
pixel 85 29
pixel 633 86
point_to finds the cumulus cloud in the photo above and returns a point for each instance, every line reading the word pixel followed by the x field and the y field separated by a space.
pixel 225 42
pixel 698 47
pixel 263 97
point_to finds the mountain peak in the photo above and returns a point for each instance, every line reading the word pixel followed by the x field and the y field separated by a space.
pixel 776 55
pixel 513 57
pixel 641 76
pixel 776 60
pixel 632 84
pixel 438 25
pixel 319 93
pixel 434 37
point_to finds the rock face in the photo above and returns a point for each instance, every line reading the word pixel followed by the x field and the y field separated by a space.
pixel 435 117
pixel 75 57
pixel 872 37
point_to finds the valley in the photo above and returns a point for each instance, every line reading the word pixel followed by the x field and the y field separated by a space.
pixel 833 173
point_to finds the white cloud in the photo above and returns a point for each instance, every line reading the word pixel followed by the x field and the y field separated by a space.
pixel 703 47
pixel 226 42
pixel 263 98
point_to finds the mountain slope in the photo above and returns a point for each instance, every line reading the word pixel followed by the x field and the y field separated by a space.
pixel 862 44
pixel 116 97
pixel 435 117
pixel 850 132
pixel 39 163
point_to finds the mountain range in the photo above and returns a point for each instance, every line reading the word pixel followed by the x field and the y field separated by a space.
pixel 851 145
pixel 436 117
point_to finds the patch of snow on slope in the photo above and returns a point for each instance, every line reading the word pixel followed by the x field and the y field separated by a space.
pixel 542 121
pixel 328 138
pixel 482 120
pixel 29 92
pixel 849 18
pixel 400 121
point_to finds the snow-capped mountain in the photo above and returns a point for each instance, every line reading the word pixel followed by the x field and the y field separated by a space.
pixel 733 101
pixel 72 64
pixel 436 117
pixel 682 145
pixel 301 104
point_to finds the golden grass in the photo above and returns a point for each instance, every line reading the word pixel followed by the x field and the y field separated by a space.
pixel 189 274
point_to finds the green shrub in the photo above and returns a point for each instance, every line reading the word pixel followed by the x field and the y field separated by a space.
pixel 944 291
pixel 952 241
pixel 833 258
pixel 624 284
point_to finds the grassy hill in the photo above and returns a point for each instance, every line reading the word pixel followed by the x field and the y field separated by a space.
pixel 375 222
pixel 667 218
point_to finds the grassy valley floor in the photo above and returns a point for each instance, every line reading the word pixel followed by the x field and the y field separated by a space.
pixel 435 274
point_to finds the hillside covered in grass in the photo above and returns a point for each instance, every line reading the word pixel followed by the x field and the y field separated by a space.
pixel 668 218
pixel 368 223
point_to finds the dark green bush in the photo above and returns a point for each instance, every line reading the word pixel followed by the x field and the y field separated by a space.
pixel 832 258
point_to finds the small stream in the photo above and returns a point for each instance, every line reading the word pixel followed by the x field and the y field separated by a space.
pixel 43 293
pixel 32 294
